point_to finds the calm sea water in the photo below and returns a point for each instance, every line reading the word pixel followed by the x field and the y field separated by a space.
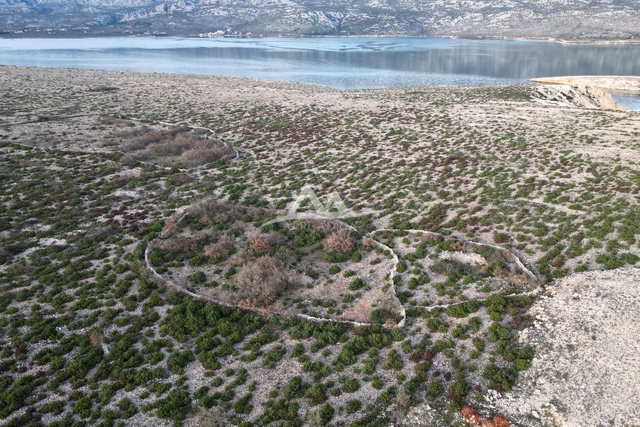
pixel 341 62
pixel 629 102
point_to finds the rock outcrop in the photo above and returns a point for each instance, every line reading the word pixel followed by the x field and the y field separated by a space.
pixel 577 96
pixel 629 84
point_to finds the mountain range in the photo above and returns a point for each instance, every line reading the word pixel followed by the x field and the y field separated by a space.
pixel 560 19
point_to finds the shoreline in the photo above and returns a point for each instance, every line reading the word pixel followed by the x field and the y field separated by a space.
pixel 17 36
pixel 523 82
pixel 625 84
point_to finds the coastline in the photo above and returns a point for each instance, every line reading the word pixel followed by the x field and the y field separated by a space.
pixel 621 84
pixel 60 35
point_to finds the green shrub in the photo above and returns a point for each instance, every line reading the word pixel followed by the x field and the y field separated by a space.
pixel 464 309
pixel 127 407
pixel 394 361
pixel 242 405
pixel 478 343
pixel 434 389
pixel 353 406
pixel 82 407
pixel 347 298
pixel 198 260
pixel 349 273
pixel 411 386
pixel 351 385
pixel 317 393
pixel 499 378
pixel 356 284
pixel 609 261
pixel 326 413
pixel 197 278
pixel 498 332
pixel 458 390
pixel 177 361
pixel 174 406
pixel 295 388
pixel 201 392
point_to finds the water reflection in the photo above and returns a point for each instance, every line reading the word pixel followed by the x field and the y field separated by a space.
pixel 337 62
pixel 629 102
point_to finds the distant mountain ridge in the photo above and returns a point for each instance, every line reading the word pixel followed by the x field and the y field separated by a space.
pixel 566 19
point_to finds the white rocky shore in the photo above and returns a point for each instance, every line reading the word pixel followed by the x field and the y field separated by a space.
pixel 586 91
pixel 586 371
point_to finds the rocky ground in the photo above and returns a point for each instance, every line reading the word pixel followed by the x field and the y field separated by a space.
pixel 554 184
pixel 586 370
pixel 587 366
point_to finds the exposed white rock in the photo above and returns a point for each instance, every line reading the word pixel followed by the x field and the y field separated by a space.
pixel 586 370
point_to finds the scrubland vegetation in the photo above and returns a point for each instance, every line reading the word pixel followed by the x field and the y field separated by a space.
pixel 473 198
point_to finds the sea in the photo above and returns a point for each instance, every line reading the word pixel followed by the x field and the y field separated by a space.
pixel 338 62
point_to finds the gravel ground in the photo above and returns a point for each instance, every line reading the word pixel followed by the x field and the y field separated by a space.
pixel 586 371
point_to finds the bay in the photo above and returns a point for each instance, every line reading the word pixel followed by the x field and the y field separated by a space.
pixel 339 62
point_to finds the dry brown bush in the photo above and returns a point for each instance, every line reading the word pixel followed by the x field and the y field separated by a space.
pixel 273 238
pixel 96 339
pixel 256 303
pixel 521 281
pixel 141 155
pixel 263 279
pixel 260 246
pixel 169 148
pixel 214 250
pixel 180 245
pixel 340 241
pixel 193 148
pixel 206 151
pixel 390 324
pixel 369 242
pixel 4 252
pixel 18 268
pixel 471 416
pixel 210 211
pixel 170 225
pixel 219 248
pixel 449 266
pixel 206 210
pixel 220 218
pixel 264 243
pixel 500 272
pixel 458 246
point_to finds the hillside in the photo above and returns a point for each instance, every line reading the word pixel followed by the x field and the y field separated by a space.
pixel 564 19
pixel 164 259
